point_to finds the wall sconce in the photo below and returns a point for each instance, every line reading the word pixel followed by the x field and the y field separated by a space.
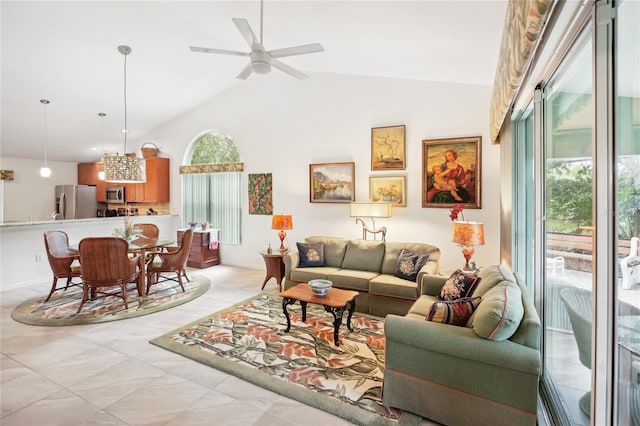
pixel 370 210
pixel 282 222
pixel 467 235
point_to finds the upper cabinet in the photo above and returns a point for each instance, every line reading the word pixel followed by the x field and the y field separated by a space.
pixel 88 173
pixel 156 188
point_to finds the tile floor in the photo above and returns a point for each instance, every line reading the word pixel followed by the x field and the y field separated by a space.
pixel 108 374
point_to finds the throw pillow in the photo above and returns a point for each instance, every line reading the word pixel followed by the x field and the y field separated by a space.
pixel 459 284
pixel 454 312
pixel 499 315
pixel 409 264
pixel 311 255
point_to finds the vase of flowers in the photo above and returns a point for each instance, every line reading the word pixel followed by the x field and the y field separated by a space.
pixel 128 231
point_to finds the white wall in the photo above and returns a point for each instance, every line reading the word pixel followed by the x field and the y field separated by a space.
pixel 30 197
pixel 281 125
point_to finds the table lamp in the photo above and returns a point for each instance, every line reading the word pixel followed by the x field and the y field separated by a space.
pixel 282 222
pixel 370 210
pixel 467 235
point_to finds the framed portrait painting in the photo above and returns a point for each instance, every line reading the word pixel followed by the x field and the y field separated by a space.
pixel 392 189
pixel 451 172
pixel 332 182
pixel 388 148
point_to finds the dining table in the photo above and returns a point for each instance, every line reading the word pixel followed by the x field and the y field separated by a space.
pixel 143 246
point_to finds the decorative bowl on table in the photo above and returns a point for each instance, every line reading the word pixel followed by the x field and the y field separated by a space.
pixel 320 287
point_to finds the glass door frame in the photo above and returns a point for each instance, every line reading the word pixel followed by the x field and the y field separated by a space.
pixel 599 17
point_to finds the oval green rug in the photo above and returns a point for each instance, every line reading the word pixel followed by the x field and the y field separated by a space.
pixel 61 308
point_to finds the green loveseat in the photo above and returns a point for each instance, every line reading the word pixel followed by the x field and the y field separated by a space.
pixel 367 267
pixel 484 373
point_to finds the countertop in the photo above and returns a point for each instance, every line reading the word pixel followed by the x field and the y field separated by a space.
pixel 137 218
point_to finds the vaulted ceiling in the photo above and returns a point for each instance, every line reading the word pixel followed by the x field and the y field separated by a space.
pixel 66 52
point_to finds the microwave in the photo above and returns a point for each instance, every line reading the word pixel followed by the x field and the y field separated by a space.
pixel 115 194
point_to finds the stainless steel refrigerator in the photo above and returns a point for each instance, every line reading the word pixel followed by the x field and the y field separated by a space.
pixel 77 202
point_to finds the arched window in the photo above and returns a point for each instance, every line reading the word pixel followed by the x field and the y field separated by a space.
pixel 211 185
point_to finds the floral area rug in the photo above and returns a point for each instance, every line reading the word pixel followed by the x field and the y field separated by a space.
pixel 248 340
pixel 61 308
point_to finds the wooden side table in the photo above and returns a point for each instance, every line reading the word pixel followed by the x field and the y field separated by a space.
pixel 275 268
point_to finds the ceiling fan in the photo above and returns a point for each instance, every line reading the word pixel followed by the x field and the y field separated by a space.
pixel 260 60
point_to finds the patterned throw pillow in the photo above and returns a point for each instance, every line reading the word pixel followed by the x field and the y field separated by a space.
pixel 459 284
pixel 454 312
pixel 311 255
pixel 409 264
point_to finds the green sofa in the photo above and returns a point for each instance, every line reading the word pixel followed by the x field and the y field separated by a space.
pixel 486 372
pixel 367 267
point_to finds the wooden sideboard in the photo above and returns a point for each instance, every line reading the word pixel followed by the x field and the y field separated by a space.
pixel 200 255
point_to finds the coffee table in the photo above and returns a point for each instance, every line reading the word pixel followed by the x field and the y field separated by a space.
pixel 335 301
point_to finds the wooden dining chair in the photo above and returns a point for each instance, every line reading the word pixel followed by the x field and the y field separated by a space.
pixel 172 261
pixel 105 263
pixel 149 230
pixel 61 260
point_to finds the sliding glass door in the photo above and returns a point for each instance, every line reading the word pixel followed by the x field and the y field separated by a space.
pixel 567 173
pixel 627 143
pixel 583 127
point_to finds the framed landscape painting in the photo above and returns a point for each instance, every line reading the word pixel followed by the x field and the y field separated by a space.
pixel 332 182
pixel 451 172
pixel 392 189
pixel 388 148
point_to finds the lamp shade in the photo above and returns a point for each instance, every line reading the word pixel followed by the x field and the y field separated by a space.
pixel 282 221
pixel 468 233
pixel 124 169
pixel 370 209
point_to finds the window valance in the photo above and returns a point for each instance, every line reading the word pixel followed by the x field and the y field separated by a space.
pixel 211 168
pixel 523 24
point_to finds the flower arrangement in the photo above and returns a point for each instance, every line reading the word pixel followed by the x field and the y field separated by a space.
pixel 128 231
pixel 455 211
pixel 388 193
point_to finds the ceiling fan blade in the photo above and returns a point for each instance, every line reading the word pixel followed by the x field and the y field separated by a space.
pixel 296 50
pixel 221 51
pixel 287 69
pixel 245 73
pixel 247 34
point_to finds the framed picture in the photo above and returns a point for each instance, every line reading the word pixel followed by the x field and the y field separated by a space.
pixel 332 182
pixel 260 193
pixel 451 172
pixel 388 148
pixel 391 189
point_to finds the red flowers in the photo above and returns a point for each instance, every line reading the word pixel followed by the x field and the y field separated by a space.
pixel 455 211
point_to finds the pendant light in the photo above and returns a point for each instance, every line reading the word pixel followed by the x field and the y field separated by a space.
pixel 45 171
pixel 126 168
pixel 102 115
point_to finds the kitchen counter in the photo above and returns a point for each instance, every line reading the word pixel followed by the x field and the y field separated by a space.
pixel 23 258
pixel 139 218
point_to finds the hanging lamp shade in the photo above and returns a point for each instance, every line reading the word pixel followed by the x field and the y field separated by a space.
pixel 126 168
pixel 45 171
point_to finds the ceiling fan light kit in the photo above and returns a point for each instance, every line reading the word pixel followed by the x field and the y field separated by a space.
pixel 260 60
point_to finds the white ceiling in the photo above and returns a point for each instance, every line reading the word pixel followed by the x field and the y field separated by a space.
pixel 67 53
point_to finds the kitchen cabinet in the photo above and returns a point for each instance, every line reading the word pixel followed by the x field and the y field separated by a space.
pixel 101 191
pixel 134 192
pixel 156 188
pixel 88 173
pixel 201 254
